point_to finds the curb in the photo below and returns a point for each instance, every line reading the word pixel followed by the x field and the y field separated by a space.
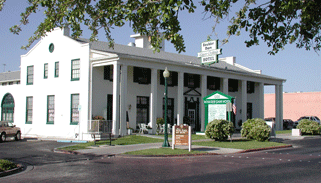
pixel 165 156
pixel 12 171
pixel 265 148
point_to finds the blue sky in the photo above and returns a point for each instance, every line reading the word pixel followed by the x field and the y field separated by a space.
pixel 299 67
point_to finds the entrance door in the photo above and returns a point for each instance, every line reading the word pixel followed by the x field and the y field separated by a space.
pixel 7 106
pixel 191 115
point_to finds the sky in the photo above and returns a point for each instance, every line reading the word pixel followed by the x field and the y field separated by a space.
pixel 299 67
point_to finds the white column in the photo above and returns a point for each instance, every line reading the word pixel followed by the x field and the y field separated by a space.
pixel 225 86
pixel 277 107
pixel 204 94
pixel 261 100
pixel 180 98
pixel 116 99
pixel 123 101
pixel 244 101
pixel 153 100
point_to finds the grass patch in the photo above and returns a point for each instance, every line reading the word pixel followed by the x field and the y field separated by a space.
pixel 164 151
pixel 283 132
pixel 239 144
pixel 6 165
pixel 127 140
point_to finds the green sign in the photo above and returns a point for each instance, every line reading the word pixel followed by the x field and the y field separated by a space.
pixel 217 106
pixel 209 52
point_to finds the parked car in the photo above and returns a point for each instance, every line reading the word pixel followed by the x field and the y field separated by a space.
pixel 312 118
pixel 287 123
pixel 7 129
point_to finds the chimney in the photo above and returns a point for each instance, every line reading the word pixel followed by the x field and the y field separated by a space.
pixel 66 31
pixel 142 41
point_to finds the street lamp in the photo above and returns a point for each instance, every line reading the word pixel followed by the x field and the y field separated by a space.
pixel 166 75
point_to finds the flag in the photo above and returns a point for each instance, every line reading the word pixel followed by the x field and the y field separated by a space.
pixel 234 107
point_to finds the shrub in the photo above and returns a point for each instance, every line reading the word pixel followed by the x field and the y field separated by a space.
pixel 219 130
pixel 309 127
pixel 256 129
pixel 160 121
pixel 6 165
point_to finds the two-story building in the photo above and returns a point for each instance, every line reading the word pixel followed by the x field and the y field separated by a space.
pixel 65 82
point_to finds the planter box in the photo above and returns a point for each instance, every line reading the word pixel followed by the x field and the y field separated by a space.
pixel 296 132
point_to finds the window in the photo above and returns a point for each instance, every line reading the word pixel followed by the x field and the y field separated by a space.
pixel 45 71
pixel 191 80
pixel 108 73
pixel 7 108
pixel 172 80
pixel 142 115
pixel 56 69
pixel 233 85
pixel 250 87
pixel 74 118
pixel 142 75
pixel 4 84
pixel 10 83
pixel 75 70
pixel 170 110
pixel 50 109
pixel 213 83
pixel 29 106
pixel 30 75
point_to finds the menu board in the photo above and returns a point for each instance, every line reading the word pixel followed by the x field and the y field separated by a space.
pixel 216 111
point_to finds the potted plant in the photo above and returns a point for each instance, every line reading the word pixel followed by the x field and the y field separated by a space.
pixel 159 122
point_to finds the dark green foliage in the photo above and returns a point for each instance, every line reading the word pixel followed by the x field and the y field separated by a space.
pixel 256 129
pixel 219 130
pixel 309 127
pixel 6 165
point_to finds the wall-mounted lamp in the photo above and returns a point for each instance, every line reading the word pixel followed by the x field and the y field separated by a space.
pixel 129 106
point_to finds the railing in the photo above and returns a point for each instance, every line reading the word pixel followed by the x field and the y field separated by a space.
pixel 100 126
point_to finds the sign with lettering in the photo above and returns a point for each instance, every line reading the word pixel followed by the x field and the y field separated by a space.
pixel 209 52
pixel 182 136
pixel 217 106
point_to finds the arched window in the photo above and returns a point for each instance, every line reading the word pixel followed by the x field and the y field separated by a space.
pixel 7 108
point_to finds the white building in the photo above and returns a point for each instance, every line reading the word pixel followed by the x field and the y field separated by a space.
pixel 65 82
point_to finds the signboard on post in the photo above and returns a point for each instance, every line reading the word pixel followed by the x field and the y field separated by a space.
pixel 182 135
pixel 217 106
pixel 209 52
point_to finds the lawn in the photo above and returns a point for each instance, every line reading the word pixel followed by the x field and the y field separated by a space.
pixel 283 132
pixel 127 140
pixel 239 144
pixel 164 151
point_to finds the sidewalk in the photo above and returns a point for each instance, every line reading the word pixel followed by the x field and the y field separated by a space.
pixel 120 149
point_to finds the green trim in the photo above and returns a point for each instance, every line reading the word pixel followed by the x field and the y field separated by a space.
pixel 72 69
pixel 51 47
pixel 28 82
pixel 56 69
pixel 71 108
pixel 28 122
pixel 50 122
pixel 45 71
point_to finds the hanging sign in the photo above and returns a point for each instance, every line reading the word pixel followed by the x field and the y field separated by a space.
pixel 209 52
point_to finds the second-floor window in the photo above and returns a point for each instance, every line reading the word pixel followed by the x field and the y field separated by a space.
pixel 213 83
pixel 45 71
pixel 191 80
pixel 108 73
pixel 30 75
pixel 56 69
pixel 142 75
pixel 250 87
pixel 75 69
pixel 172 80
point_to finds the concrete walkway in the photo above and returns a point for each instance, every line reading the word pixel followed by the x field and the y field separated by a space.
pixel 120 149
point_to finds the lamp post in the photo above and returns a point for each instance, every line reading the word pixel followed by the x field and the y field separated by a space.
pixel 166 75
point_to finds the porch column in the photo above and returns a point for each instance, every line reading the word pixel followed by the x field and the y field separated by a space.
pixel 244 101
pixel 153 99
pixel 261 100
pixel 225 86
pixel 180 98
pixel 279 107
pixel 116 99
pixel 123 101
pixel 204 94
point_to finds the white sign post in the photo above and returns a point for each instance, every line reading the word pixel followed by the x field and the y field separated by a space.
pixel 209 52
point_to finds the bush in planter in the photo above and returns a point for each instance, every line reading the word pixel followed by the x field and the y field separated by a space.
pixel 256 129
pixel 219 130
pixel 309 127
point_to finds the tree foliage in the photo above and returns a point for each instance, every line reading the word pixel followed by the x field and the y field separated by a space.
pixel 276 22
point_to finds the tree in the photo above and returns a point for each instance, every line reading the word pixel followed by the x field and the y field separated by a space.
pixel 277 22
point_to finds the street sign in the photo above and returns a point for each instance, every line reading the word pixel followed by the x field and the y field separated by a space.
pixel 209 52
